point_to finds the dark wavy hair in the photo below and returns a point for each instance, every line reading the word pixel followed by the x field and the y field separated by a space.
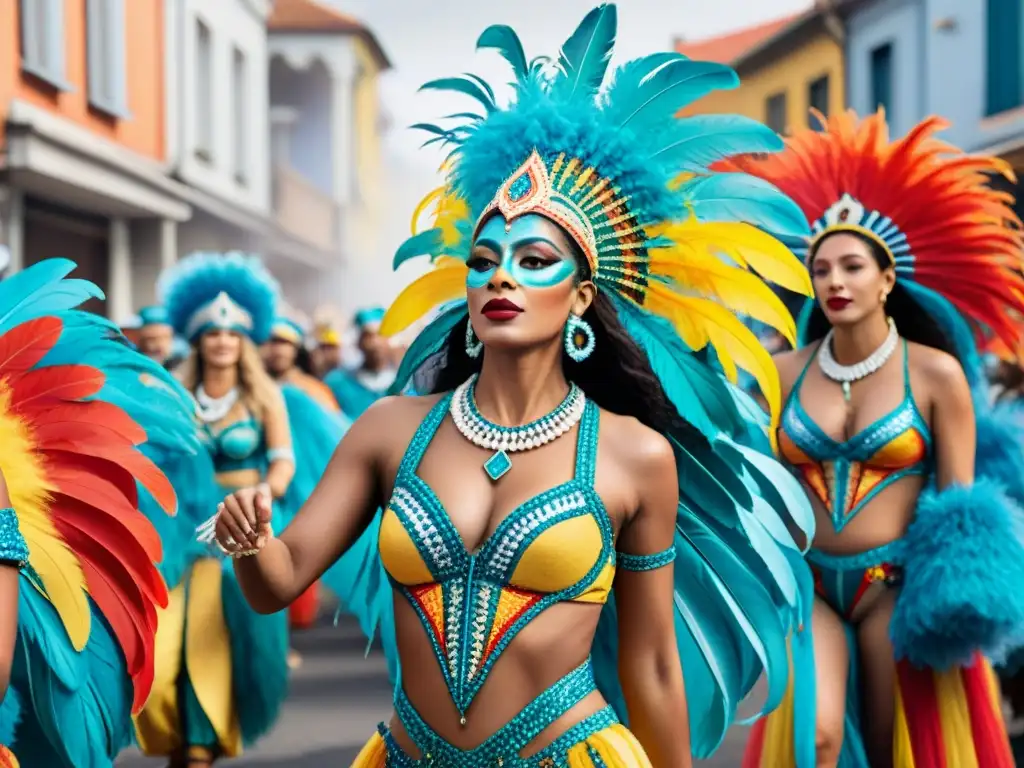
pixel 913 322
pixel 617 375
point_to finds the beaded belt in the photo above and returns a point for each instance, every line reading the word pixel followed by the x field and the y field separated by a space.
pixel 501 750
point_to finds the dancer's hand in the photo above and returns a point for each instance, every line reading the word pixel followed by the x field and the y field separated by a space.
pixel 243 520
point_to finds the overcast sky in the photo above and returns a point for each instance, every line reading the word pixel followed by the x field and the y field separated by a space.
pixel 426 39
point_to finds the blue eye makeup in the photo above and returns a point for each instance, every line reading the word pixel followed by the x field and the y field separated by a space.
pixel 530 267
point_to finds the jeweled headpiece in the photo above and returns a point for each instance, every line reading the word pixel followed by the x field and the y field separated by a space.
pixel 604 161
pixel 231 291
pixel 952 238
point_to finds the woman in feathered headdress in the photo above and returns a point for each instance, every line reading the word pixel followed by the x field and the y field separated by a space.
pixel 79 586
pixel 583 286
pixel 917 562
pixel 222 671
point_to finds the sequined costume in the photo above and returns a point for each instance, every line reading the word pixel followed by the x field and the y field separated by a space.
pixel 79 413
pixel 605 169
pixel 949 237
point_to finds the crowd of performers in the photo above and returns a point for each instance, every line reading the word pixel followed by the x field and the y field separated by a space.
pixel 844 524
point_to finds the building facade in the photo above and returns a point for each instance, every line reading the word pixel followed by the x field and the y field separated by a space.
pixel 83 167
pixel 961 60
pixel 326 128
pixel 786 67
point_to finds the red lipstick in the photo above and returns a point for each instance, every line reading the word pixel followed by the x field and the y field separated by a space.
pixel 500 310
pixel 836 303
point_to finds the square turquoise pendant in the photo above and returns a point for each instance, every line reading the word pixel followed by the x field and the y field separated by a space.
pixel 498 465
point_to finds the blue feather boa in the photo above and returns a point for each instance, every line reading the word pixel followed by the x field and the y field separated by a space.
pixel 963 566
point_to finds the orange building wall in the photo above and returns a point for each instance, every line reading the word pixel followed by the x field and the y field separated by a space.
pixel 144 130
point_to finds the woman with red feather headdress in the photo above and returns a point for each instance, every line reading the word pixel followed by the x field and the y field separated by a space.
pixel 79 584
pixel 914 260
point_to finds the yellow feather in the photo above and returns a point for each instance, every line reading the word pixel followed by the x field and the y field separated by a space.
pixel 433 195
pixel 700 321
pixel 31 492
pixel 739 290
pixel 746 245
pixel 437 286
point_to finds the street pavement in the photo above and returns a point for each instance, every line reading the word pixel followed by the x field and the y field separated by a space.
pixel 337 698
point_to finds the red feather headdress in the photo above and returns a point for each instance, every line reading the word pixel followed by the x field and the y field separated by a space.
pixel 928 204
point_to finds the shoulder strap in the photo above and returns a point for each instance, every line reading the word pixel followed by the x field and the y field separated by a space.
pixel 907 390
pixel 424 434
pixel 795 389
pixel 586 443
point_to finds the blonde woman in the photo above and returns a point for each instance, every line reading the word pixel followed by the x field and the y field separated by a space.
pixel 221 671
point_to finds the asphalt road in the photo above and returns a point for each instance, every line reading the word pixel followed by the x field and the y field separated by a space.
pixel 337 698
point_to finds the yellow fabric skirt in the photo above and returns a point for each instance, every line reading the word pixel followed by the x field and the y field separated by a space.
pixel 192 638
pixel 614 746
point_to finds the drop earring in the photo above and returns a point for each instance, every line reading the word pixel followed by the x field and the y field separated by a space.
pixel 579 338
pixel 473 345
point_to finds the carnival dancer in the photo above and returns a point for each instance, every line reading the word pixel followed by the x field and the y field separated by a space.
pixel 585 284
pixel 221 667
pixel 79 588
pixel 356 390
pixel 917 561
pixel 288 361
pixel 155 335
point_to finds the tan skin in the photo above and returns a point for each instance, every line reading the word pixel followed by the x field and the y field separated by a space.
pixel 520 381
pixel 8 606
pixel 843 267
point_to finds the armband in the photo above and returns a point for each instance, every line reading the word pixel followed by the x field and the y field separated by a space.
pixel 281 454
pixel 646 562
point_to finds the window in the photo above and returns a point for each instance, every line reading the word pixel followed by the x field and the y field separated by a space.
pixel 775 112
pixel 817 98
pixel 105 44
pixel 1004 75
pixel 42 40
pixel 239 89
pixel 881 79
pixel 203 108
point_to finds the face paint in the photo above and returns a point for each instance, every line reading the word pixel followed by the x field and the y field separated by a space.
pixel 525 230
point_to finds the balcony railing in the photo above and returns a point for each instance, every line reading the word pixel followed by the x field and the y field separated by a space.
pixel 303 210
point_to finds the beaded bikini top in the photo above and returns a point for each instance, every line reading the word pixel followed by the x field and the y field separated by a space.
pixel 557 546
pixel 845 476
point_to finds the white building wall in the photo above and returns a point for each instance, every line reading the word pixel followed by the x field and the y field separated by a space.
pixel 232 24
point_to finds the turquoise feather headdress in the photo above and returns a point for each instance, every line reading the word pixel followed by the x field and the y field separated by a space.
pixel 153 315
pixel 231 291
pixel 629 181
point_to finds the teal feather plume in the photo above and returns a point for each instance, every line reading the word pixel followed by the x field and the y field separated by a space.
pixel 728 197
pixel 422 244
pixel 428 343
pixel 505 40
pixel 698 393
pixel 583 60
pixel 694 144
pixel 466 86
pixel 10 715
pixel 76 707
pixel 654 99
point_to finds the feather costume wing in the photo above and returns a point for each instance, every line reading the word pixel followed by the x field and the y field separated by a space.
pixel 680 257
pixel 73 414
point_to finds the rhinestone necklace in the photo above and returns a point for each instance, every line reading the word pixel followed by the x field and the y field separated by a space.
pixel 213 409
pixel 845 374
pixel 505 440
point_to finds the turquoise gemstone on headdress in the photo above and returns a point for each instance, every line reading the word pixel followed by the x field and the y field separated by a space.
pixel 497 465
pixel 520 188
